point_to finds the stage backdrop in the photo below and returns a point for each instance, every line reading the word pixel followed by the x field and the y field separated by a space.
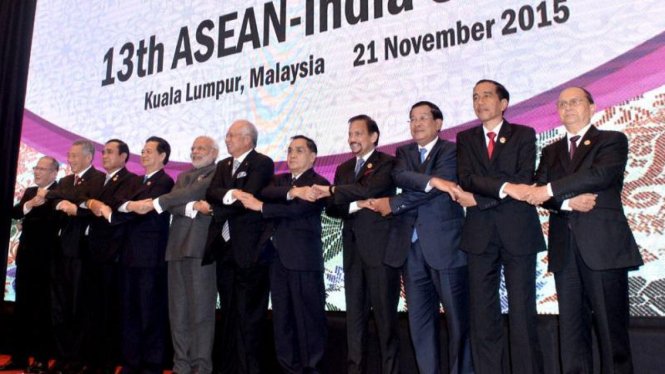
pixel 104 69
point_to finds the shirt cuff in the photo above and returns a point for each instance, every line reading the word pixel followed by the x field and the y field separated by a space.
pixel 502 194
pixel 158 208
pixel 189 210
pixel 110 215
pixel 228 198
pixel 566 205
pixel 428 187
pixel 288 196
pixel 82 205
pixel 353 207
pixel 549 190
pixel 26 209
pixel 57 207
pixel 123 208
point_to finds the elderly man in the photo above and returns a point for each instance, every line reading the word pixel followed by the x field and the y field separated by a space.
pixel 233 241
pixel 296 271
pixel 192 292
pixel 71 248
pixel 33 262
pixel 368 282
pixel 591 246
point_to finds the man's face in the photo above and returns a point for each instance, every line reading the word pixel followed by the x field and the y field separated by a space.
pixel 361 141
pixel 300 158
pixel 203 154
pixel 151 159
pixel 238 140
pixel 575 111
pixel 44 172
pixel 487 105
pixel 78 161
pixel 424 128
pixel 112 160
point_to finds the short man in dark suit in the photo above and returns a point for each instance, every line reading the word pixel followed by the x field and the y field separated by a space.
pixel 142 270
pixel 493 160
pixel 33 263
pixel 233 242
pixel 368 282
pixel 192 290
pixel 100 271
pixel 426 243
pixel 591 246
pixel 69 197
pixel 296 271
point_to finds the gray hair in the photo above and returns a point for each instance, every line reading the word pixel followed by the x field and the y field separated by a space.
pixel 86 146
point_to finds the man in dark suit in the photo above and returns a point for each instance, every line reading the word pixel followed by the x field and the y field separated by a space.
pixel 100 271
pixel 591 246
pixel 67 307
pixel 142 272
pixel 426 243
pixel 493 159
pixel 191 287
pixel 233 241
pixel 39 231
pixel 368 282
pixel 296 270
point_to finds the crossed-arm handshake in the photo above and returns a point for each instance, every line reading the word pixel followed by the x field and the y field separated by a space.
pixel 536 195
pixel 142 207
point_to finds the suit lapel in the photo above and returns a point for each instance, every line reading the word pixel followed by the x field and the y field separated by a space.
pixel 564 156
pixel 368 165
pixel 584 146
pixel 501 140
pixel 244 165
pixel 480 147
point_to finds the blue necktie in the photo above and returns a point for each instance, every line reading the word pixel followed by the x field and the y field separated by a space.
pixel 423 152
pixel 359 165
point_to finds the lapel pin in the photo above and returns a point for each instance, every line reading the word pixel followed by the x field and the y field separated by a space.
pixel 200 178
pixel 587 142
pixel 369 166
pixel 228 162
pixel 115 179
pixel 149 183
pixel 502 140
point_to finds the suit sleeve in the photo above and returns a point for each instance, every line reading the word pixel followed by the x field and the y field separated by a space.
pixel 17 210
pixel 413 183
pixel 179 198
pixel 542 178
pixel 336 210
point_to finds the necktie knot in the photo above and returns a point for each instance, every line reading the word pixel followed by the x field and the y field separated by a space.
pixel 490 145
pixel 236 165
pixel 145 178
pixel 359 164
pixel 423 152
pixel 108 177
pixel 77 179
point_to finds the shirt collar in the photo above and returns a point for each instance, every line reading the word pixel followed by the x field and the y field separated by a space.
pixel 367 156
pixel 82 172
pixel 581 133
pixel 495 130
pixel 243 156
pixel 151 174
pixel 428 146
pixel 111 174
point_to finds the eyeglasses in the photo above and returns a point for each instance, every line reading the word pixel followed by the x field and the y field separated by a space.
pixel 422 118
pixel 572 103
pixel 37 168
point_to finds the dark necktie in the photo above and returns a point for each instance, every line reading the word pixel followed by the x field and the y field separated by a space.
pixel 490 145
pixel 573 146
pixel 359 165
pixel 76 179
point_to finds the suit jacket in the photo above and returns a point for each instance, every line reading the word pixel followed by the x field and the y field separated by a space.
pixel 245 225
pixel 514 161
pixel 296 224
pixel 72 229
pixel 39 232
pixel 603 236
pixel 105 241
pixel 147 234
pixel 364 230
pixel 437 218
pixel 187 237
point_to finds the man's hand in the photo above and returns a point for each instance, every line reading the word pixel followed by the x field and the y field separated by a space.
pixel 381 205
pixel 321 191
pixel 517 191
pixel 105 211
pixel 35 201
pixel 583 203
pixel 463 198
pixel 95 207
pixel 365 204
pixel 202 207
pixel 141 206
pixel 250 202
pixel 68 208
pixel 443 185
pixel 304 193
pixel 41 192
pixel 537 195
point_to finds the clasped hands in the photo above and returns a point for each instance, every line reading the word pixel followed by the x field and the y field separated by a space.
pixel 537 195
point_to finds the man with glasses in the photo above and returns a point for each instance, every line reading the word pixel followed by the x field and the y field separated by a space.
pixel 426 243
pixel 495 162
pixel 32 309
pixel 591 246
pixel 233 242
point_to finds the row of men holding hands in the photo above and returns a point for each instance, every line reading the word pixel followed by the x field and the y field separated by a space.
pixel 263 231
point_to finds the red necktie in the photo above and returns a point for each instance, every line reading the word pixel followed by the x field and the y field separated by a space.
pixel 490 145
pixel 573 145
pixel 76 179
